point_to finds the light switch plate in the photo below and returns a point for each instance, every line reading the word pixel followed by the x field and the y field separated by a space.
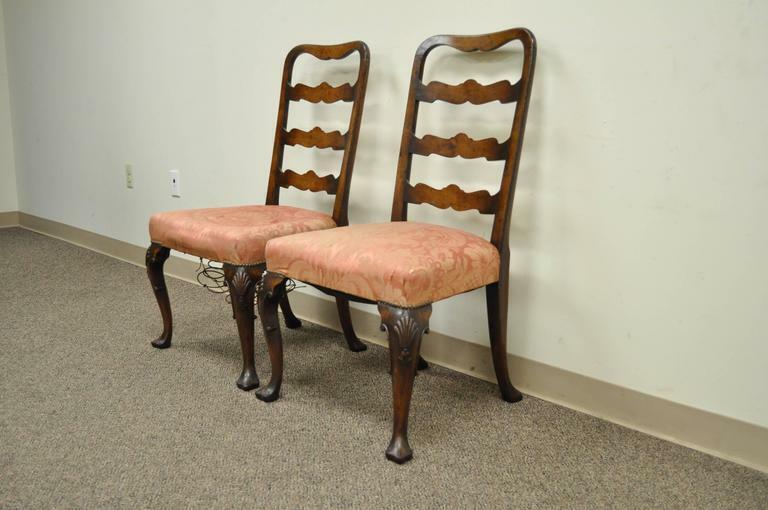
pixel 175 183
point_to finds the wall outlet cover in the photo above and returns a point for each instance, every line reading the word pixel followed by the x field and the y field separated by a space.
pixel 129 176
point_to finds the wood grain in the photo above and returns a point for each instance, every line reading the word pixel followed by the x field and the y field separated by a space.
pixel 406 326
pixel 316 137
pixel 460 145
pixel 324 93
pixel 309 181
pixel 452 196
pixel 242 280
pixel 328 52
pixel 469 91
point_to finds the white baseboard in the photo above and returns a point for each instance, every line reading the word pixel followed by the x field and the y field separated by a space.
pixel 718 435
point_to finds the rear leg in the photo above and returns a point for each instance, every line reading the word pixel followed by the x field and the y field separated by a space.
pixel 291 321
pixel 496 299
pixel 354 343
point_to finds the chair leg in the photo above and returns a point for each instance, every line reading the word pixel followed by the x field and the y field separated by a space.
pixel 291 321
pixel 155 260
pixel 496 299
pixel 405 328
pixel 270 294
pixel 242 281
pixel 422 365
pixel 354 343
pixel 234 306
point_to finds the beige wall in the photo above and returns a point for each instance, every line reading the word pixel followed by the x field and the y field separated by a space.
pixel 8 201
pixel 638 242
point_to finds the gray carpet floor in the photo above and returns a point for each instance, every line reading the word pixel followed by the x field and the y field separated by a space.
pixel 93 417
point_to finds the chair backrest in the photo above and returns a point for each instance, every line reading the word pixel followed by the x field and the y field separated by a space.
pixel 316 137
pixel 500 203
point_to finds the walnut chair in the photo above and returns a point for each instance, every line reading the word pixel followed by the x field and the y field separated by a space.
pixel 402 266
pixel 237 236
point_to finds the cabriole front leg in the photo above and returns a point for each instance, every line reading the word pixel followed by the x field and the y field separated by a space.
pixel 405 328
pixel 155 260
pixel 241 281
pixel 271 293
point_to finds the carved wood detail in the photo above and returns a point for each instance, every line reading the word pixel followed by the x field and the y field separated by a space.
pixel 316 137
pixel 309 181
pixel 405 327
pixel 242 281
pixel 452 196
pixel 460 145
pixel 469 91
pixel 334 52
pixel 324 92
pixel 485 42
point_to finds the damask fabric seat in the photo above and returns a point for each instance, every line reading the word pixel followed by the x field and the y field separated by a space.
pixel 237 235
pixel 407 264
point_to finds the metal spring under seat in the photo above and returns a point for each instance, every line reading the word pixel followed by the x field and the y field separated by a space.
pixel 210 275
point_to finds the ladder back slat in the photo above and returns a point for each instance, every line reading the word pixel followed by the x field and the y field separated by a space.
pixel 460 145
pixel 309 181
pixel 315 138
pixel 452 196
pixel 469 91
pixel 321 93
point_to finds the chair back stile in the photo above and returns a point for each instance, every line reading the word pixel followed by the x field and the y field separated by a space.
pixel 500 203
pixel 316 137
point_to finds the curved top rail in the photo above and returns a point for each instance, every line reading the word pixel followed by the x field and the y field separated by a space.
pixel 330 52
pixel 482 42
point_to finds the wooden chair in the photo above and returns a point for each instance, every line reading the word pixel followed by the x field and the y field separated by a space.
pixel 237 236
pixel 405 266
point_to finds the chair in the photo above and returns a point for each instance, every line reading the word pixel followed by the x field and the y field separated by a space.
pixel 402 266
pixel 237 236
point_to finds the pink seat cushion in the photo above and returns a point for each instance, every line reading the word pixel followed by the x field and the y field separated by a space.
pixel 406 264
pixel 237 235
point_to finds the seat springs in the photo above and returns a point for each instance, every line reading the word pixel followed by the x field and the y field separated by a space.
pixel 210 275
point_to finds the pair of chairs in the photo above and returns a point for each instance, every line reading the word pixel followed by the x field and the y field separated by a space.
pixel 237 236
pixel 402 267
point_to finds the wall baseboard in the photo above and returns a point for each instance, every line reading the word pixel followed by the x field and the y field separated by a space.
pixel 718 435
pixel 9 219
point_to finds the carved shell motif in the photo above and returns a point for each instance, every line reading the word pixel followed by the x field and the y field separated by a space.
pixel 241 283
pixel 408 331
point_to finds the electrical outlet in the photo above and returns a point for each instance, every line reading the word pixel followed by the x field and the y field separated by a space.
pixel 129 176
pixel 175 184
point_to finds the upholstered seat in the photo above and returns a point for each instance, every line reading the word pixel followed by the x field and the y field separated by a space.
pixel 236 235
pixel 406 264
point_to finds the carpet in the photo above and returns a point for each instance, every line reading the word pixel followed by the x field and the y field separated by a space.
pixel 92 416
